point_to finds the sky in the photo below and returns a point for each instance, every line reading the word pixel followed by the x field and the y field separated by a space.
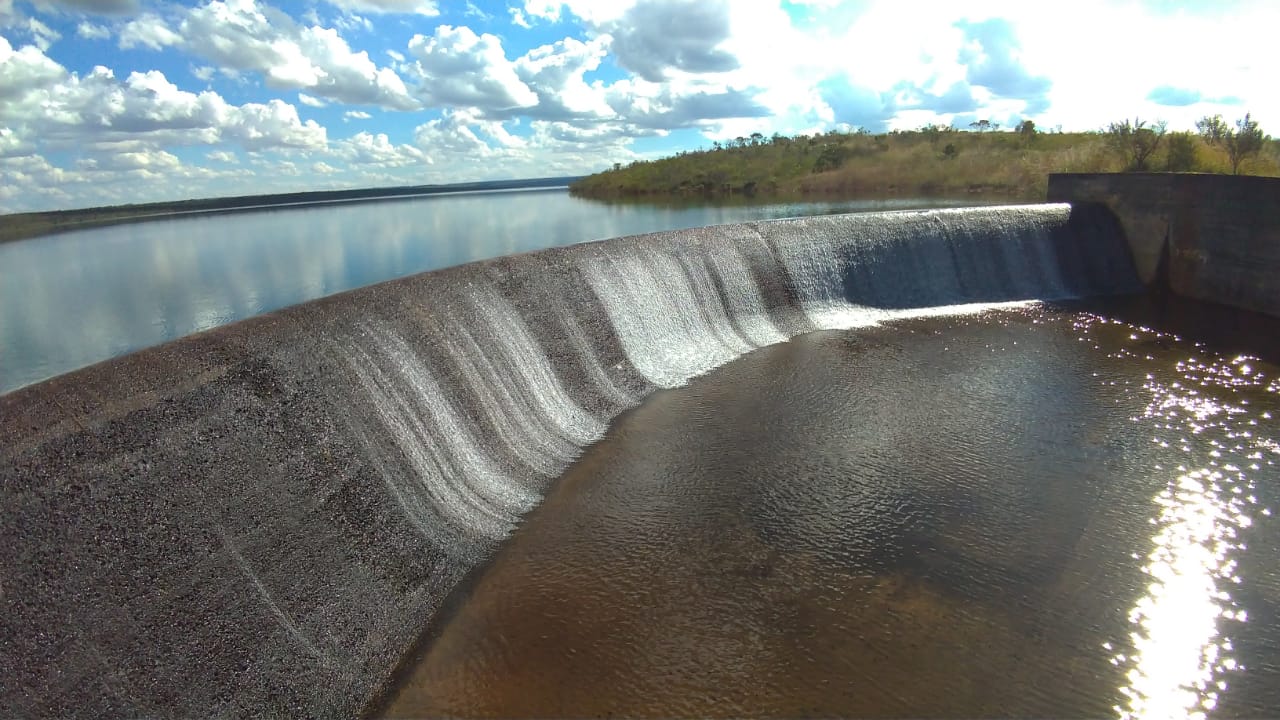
pixel 112 101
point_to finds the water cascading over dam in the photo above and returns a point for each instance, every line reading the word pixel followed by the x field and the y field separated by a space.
pixel 261 519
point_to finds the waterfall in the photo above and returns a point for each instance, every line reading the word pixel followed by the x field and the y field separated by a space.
pixel 361 453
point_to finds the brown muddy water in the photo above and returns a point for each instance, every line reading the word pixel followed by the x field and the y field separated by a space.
pixel 1044 511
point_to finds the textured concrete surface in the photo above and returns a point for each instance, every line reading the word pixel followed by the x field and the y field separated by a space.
pixel 261 518
pixel 1219 233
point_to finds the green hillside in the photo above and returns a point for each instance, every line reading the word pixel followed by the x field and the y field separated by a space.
pixel 931 161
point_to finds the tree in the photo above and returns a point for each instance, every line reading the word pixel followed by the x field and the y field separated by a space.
pixel 1246 140
pixel 832 157
pixel 1212 129
pixel 1180 152
pixel 1135 142
pixel 1026 130
pixel 1241 142
pixel 933 132
pixel 981 125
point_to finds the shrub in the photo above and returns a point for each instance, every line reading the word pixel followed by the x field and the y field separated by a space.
pixel 1180 153
pixel 1135 142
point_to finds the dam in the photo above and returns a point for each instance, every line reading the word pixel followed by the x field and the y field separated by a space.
pixel 807 466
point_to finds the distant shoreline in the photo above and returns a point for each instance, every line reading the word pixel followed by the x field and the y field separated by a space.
pixel 22 226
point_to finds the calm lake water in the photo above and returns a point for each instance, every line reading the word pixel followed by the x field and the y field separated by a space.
pixel 75 298
pixel 1044 512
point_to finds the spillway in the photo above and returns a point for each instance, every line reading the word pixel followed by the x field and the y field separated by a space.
pixel 260 519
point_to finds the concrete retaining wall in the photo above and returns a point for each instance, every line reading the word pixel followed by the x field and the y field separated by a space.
pixel 1222 233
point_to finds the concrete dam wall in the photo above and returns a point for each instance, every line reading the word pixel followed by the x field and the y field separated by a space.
pixel 261 519
pixel 1208 237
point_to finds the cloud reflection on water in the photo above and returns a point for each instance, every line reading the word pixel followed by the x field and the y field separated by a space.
pixel 76 298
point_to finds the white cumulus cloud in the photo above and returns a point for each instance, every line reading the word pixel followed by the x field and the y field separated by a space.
pixel 556 72
pixel 150 31
pixel 655 37
pixel 97 7
pixel 42 36
pixel 246 36
pixel 310 101
pixel 457 68
pixel 45 103
pixel 377 149
pixel 89 31
pixel 417 7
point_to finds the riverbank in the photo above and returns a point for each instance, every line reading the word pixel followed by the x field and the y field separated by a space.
pixel 929 162
pixel 19 226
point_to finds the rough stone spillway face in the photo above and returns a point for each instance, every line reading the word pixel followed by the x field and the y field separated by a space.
pixel 261 518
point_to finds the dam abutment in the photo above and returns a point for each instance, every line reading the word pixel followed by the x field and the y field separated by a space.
pixel 1218 235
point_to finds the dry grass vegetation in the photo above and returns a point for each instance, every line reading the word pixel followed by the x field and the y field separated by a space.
pixel 931 161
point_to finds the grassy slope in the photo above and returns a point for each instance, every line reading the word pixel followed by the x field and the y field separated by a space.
pixel 912 163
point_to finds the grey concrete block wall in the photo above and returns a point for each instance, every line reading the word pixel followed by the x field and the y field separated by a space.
pixel 260 519
pixel 1222 232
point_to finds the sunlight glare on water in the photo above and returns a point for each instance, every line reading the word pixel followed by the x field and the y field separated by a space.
pixel 1182 655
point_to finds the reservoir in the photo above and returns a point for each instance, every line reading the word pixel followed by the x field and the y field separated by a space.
pixel 1039 511
pixel 75 298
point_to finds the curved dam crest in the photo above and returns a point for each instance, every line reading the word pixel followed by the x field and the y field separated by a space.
pixel 261 519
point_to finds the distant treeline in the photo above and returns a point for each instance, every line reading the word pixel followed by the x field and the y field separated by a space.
pixel 24 225
pixel 931 161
